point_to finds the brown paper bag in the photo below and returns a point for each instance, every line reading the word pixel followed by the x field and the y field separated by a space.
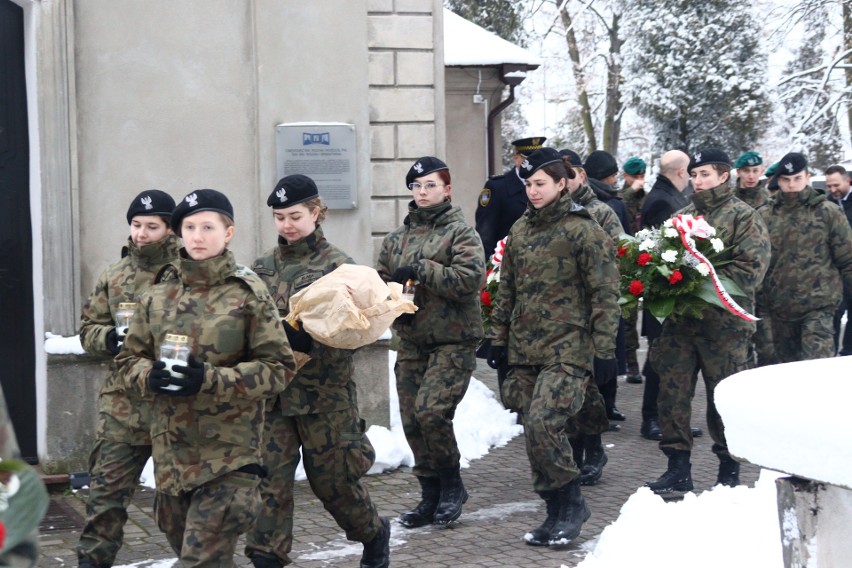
pixel 349 307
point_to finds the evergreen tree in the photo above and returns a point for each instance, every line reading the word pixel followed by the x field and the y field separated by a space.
pixel 696 73
pixel 500 17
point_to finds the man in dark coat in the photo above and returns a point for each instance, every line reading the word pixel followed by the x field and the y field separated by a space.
pixel 666 197
pixel 504 198
pixel 838 184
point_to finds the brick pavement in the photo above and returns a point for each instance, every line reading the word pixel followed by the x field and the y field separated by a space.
pixel 502 507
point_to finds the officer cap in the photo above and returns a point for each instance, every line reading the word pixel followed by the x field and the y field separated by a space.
pixel 151 202
pixel 634 166
pixel 748 159
pixel 708 156
pixel 291 190
pixel 573 158
pixel 423 167
pixel 600 165
pixel 538 160
pixel 525 146
pixel 198 201
pixel 791 164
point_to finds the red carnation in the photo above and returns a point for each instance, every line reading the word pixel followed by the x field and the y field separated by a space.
pixel 644 259
pixel 622 251
pixel 485 298
pixel 675 277
pixel 636 287
pixel 2 535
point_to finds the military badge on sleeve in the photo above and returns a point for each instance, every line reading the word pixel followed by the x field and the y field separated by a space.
pixel 485 197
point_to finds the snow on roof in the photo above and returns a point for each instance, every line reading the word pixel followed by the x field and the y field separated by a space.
pixel 468 45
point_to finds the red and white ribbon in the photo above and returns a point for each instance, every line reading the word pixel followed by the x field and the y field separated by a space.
pixel 497 257
pixel 689 227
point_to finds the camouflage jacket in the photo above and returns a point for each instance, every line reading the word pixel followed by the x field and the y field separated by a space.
pixel 811 254
pixel 558 295
pixel 746 259
pixel 633 200
pixel 600 212
pixel 448 257
pixel 124 416
pixel 756 197
pixel 324 384
pixel 234 330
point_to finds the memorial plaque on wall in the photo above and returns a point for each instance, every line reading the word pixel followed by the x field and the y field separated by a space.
pixel 323 151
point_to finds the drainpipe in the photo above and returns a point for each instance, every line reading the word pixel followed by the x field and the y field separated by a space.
pixel 511 75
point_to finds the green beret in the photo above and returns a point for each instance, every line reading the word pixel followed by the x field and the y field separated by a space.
pixel 770 171
pixel 748 159
pixel 634 166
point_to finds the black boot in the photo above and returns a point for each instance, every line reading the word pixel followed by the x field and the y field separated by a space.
pixel 453 496
pixel 573 512
pixel 729 472
pixel 263 561
pixel 424 513
pixel 577 450
pixel 650 429
pixel 377 551
pixel 677 478
pixel 595 460
pixel 541 535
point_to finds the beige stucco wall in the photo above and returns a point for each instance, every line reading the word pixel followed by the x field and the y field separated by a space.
pixel 186 95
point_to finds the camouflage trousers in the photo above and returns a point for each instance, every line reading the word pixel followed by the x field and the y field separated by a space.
pixel 678 359
pixel 203 525
pixel 552 398
pixel 431 383
pixel 115 468
pixel 811 337
pixel 764 347
pixel 336 453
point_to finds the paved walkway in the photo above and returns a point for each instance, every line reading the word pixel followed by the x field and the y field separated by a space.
pixel 502 507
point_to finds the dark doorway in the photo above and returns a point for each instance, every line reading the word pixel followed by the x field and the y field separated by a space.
pixel 17 330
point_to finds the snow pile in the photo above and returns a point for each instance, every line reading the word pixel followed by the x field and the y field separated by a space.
pixel 58 345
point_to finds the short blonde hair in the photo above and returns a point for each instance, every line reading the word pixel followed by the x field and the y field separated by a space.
pixel 316 203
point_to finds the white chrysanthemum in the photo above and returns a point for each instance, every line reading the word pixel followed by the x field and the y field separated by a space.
pixel 647 244
pixel 669 255
pixel 668 223
pixel 718 245
pixel 669 233
pixel 642 234
pixel 702 269
pixel 711 231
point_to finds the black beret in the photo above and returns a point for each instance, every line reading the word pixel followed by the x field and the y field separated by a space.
pixel 538 160
pixel 600 165
pixel 151 202
pixel 708 156
pixel 574 159
pixel 423 167
pixel 198 201
pixel 524 146
pixel 291 190
pixel 791 164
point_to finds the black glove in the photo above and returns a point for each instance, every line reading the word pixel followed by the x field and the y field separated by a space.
pixel 300 340
pixel 403 274
pixel 159 378
pixel 404 319
pixel 193 372
pixel 497 355
pixel 605 370
pixel 112 341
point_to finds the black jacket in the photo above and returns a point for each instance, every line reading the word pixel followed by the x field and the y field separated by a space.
pixel 662 202
pixel 609 195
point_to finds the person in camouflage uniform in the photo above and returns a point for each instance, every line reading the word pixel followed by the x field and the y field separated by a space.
pixel 206 435
pixel 750 187
pixel 319 410
pixel 811 263
pixel 443 256
pixel 633 193
pixel 25 553
pixel 123 440
pixel 591 421
pixel 717 343
pixel 555 319
pixel 752 190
